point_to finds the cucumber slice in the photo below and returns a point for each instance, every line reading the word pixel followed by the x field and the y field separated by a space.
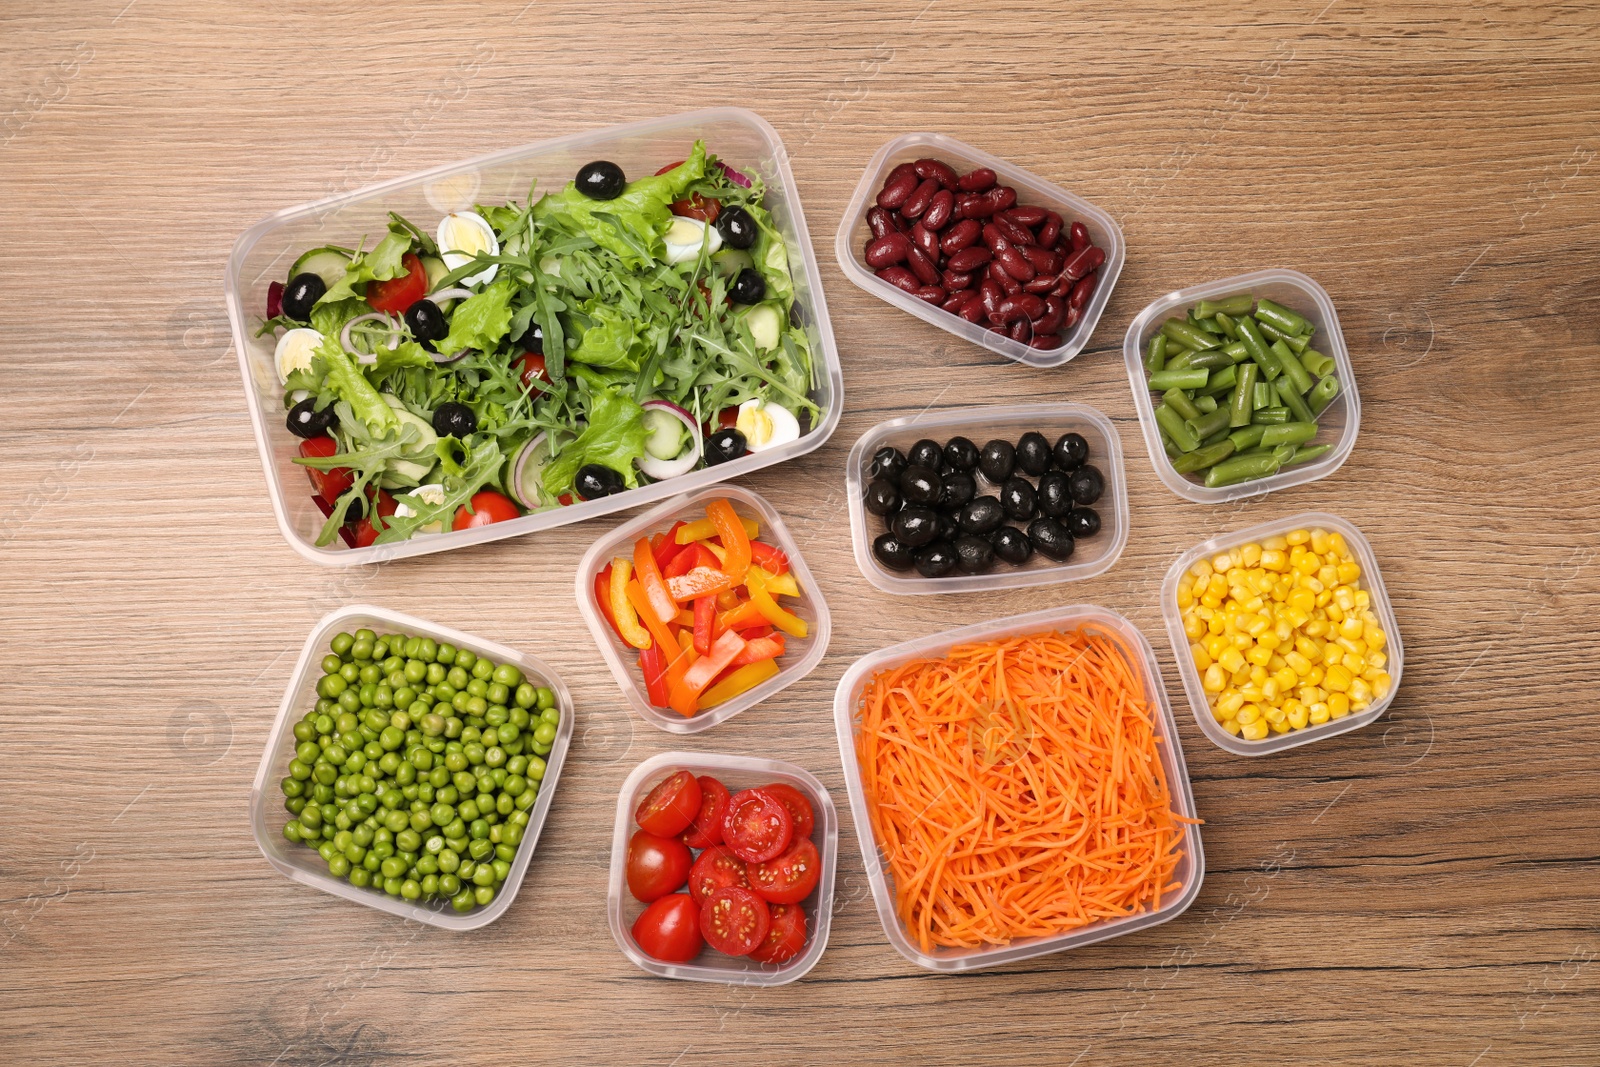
pixel 408 472
pixel 765 326
pixel 427 439
pixel 730 261
pixel 436 270
pixel 665 434
pixel 329 264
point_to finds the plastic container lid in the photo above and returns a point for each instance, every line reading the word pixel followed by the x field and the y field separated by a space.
pixel 1338 424
pixel 735 772
pixel 1370 580
pixel 263 254
pixel 851 242
pixel 301 862
pixel 801 655
pixel 1190 870
pixel 1092 556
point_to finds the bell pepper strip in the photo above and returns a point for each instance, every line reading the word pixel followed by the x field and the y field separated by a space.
pixel 719 553
pixel 758 649
pixel 740 680
pixel 772 560
pixel 653 665
pixel 699 582
pixel 685 693
pixel 655 587
pixel 742 617
pixel 728 599
pixel 789 623
pixel 660 631
pixel 753 633
pixel 778 584
pixel 602 597
pixel 687 559
pixel 700 529
pixel 705 617
pixel 735 540
pixel 686 617
pixel 680 664
pixel 665 545
pixel 622 610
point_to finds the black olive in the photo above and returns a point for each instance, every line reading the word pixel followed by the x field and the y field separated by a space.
pixel 948 528
pixel 302 292
pixel 737 226
pixel 1071 451
pixel 1082 522
pixel 426 323
pixel 1086 484
pixel 997 460
pixel 981 516
pixel 532 339
pixel 926 453
pixel 356 511
pixel 919 485
pixel 974 555
pixel 914 525
pixel 1051 538
pixel 1017 498
pixel 724 445
pixel 891 553
pixel 1033 454
pixel 1054 500
pixel 451 419
pixel 601 180
pixel 937 560
pixel 956 489
pixel 306 421
pixel 1011 545
pixel 797 315
pixel 888 462
pixel 960 454
pixel 594 481
pixel 882 497
pixel 748 288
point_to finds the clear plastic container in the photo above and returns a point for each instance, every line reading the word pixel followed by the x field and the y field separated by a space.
pixel 982 424
pixel 263 254
pixel 300 862
pixel 1338 424
pixel 1191 867
pixel 1370 580
pixel 735 772
pixel 851 242
pixel 801 655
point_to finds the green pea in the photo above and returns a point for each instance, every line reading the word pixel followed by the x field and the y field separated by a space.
pixel 421 759
pixel 463 900
pixel 495 756
pixel 467 810
pixel 416 671
pixel 547 698
pixel 434 745
pixel 322 793
pixel 449 860
pixel 502 870
pixel 382 850
pixel 515 785
pixel 449 885
pixel 544 733
pixel 354 853
pixel 407 840
pixel 331 685
pixel 393 867
pixel 331 664
pixel 476 706
pixel 427 864
pixel 391 886
pixel 436 673
pixel 341 643
pixel 510 838
pixel 391 738
pixel 519 818
pixel 453 726
pixel 430 885
pixel 362 835
pixel 484 875
pixel 425 792
pixel 457 677
pixel 383 696
pixel 409 792
pixel 458 701
pixel 304 730
pixel 439 777
pixel 517 765
pixel 507 733
pixel 325 707
pixel 445 653
pixel 339 866
pixel 526 696
pixel 482 668
pixel 474 753
pixel 455 761
pixel 350 700
pixel 365 634
pixel 433 724
pixel 369 674
pixel 397 821
pixel 343 839
pixel 350 673
pixel 360 877
pixel 507 674
pixel 479 830
pixel 341 819
pixel 540 750
pixel 483 895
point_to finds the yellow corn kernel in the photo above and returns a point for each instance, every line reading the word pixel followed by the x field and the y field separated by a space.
pixel 1201 569
pixel 1363 599
pixel 1275 543
pixel 1297 537
pixel 1270 690
pixel 1381 685
pixel 1214 645
pixel 1286 677
pixel 1328 574
pixel 1214 679
pixel 1331 654
pixel 1194 626
pixel 1249 692
pixel 1279 592
pixel 1348 573
pixel 1202 658
pixel 1308 563
pixel 1319 541
pixel 1338 705
pixel 1215 626
pixel 1255 731
pixel 1241 641
pixel 1231 660
pixel 1298 714
pixel 1308 648
pixel 1220 715
pixel 1253 604
pixel 1345 597
pixel 1250 555
pixel 1374 636
pixel 1258 674
pixel 1274 713
pixel 1317 713
pixel 1297 661
pixel 1315 628
pixel 1185 597
pixel 1217 585
pixel 1276 664
pixel 1268 640
pixel 1274 560
pixel 1312 694
pixel 1256 626
pixel 1210 600
pixel 1259 656
pixel 1303 600
pixel 1241 676
pixel 1230 702
pixel 1315 677
pixel 1355 664
pixel 1360 692
pixel 1376 660
pixel 1248 714
pixel 1232 726
pixel 1338 678
pixel 1334 612
pixel 1222 563
pixel 1351 627
pixel 1336 541
pixel 1280 727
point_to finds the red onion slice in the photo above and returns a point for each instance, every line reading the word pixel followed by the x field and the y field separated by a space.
pixel 734 176
pixel 372 316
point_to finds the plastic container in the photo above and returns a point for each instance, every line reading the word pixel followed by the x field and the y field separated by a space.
pixel 1191 867
pixel 801 655
pixel 735 772
pixel 263 254
pixel 1338 424
pixel 853 233
pixel 300 862
pixel 982 424
pixel 1370 580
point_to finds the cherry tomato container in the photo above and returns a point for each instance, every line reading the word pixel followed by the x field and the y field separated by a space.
pixel 1092 555
pixel 801 656
pixel 264 252
pixel 1190 871
pixel 1370 580
pixel 1338 424
pixel 853 235
pixel 301 862
pixel 735 772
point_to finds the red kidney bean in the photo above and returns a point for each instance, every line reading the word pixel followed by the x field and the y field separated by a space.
pixel 1027 214
pixel 957 280
pixel 922 266
pixel 1008 285
pixel 989 296
pixel 960 236
pixel 1002 197
pixel 1041 284
pixel 976 181
pixel 994 238
pixel 896 190
pixel 926 240
pixel 1021 330
pixel 972 311
pixel 975 206
pixel 1073 315
pixel 1025 304
pixel 1016 264
pixel 1050 230
pixel 1082 291
pixel 1043 260
pixel 953 303
pixel 879 221
pixel 1080 237
pixel 940 210
pixel 899 172
pixel 939 171
pixel 1017 235
pixel 931 293
pixel 1055 311
pixel 1062 287
pixel 968 259
pixel 919 199
pixel 900 278
pixel 1082 262
pixel 887 250
pixel 1045 340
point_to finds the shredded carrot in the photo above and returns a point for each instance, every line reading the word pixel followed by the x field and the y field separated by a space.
pixel 1016 790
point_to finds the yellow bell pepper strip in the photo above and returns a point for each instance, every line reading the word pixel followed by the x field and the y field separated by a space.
pixel 734 538
pixel 778 584
pixel 686 616
pixel 718 551
pixel 622 610
pixel 659 630
pixel 740 681
pixel 655 587
pixel 793 625
pixel 699 582
pixel 685 692
pixel 701 529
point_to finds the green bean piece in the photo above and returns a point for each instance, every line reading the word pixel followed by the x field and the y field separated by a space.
pixel 1247 437
pixel 1243 395
pixel 1202 458
pixel 1161 381
pixel 1155 359
pixel 1322 394
pixel 1238 469
pixel 1236 305
pixel 1288 433
pixel 1222 380
pixel 1210 326
pixel 1236 351
pixel 1270 416
pixel 1230 329
pixel 1172 450
pixel 1216 438
pixel 1317 363
pixel 1178 358
pixel 1250 337
pixel 1209 423
pixel 1170 421
pixel 1297 344
pixel 1205 404
pixel 1288 321
pixel 1291 400
pixel 1214 360
pixel 1263 397
pixel 1306 453
pixel 1186 334
pixel 1179 401
pixel 1292 368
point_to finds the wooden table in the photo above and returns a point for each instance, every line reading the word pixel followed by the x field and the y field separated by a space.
pixel 1422 891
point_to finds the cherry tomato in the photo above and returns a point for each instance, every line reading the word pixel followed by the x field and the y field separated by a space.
pixel 706 830
pixel 669 166
pixel 715 868
pixel 671 806
pixel 397 294
pixel 785 937
pixel 698 207
pixel 366 533
pixel 790 877
pixel 656 866
pixel 565 500
pixel 735 921
pixel 757 826
pixel 727 419
pixel 487 506
pixel 669 929
pixel 330 485
pixel 799 807
pixel 531 369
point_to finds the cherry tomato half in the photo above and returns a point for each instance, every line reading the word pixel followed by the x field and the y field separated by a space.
pixel 330 485
pixel 397 294
pixel 366 533
pixel 531 369
pixel 487 506
pixel 669 808
pixel 657 866
pixel 706 209
pixel 735 921
pixel 790 877
pixel 785 937
pixel 714 869
pixel 669 929
pixel 706 830
pixel 799 806
pixel 757 826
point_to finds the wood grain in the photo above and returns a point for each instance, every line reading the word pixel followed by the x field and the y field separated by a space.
pixel 1422 891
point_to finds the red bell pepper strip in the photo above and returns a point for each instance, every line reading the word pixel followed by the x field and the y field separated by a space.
pixel 705 617
pixel 735 541
pixel 665 546
pixel 772 560
pixel 702 581
pixel 752 633
pixel 653 665
pixel 688 558
pixel 685 694
pixel 655 587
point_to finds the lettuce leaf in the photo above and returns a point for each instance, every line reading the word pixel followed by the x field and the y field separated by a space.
pixel 632 224
pixel 614 437
pixel 351 386
pixel 482 320
pixel 610 340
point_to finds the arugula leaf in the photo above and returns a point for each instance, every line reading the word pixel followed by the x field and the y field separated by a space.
pixel 631 225
pixel 482 320
pixel 481 468
pixel 346 379
pixel 382 263
pixel 613 438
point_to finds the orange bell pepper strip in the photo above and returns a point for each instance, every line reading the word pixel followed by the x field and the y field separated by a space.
pixel 728 599
pixel 686 617
pixel 700 529
pixel 679 664
pixel 602 597
pixel 685 693
pixel 741 680
pixel 660 631
pixel 705 618
pixel 655 587
pixel 791 624
pixel 622 610
pixel 757 649
pixel 770 559
pixel 702 581
pixel 734 539
pixel 742 617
